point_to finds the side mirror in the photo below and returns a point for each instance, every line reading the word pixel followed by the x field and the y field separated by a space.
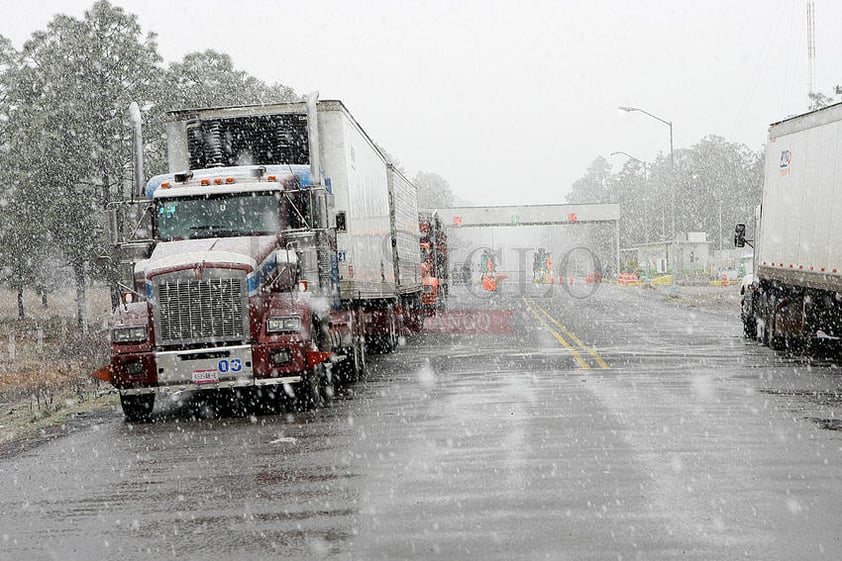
pixel 341 221
pixel 286 265
pixel 740 235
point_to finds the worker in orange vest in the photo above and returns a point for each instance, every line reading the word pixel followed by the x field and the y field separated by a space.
pixel 487 267
pixel 489 282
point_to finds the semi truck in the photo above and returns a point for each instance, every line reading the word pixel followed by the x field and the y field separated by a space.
pixel 794 296
pixel 434 262
pixel 283 249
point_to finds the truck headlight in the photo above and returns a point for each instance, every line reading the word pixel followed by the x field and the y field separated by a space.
pixel 279 356
pixel 133 368
pixel 278 325
pixel 129 334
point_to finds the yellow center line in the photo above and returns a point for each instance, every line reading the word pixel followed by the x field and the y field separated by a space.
pixel 582 362
pixel 572 336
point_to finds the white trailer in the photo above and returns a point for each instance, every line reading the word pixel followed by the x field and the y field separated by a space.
pixel 795 295
pixel 369 201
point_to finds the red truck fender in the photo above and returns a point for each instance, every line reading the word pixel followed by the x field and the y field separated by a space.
pixel 315 358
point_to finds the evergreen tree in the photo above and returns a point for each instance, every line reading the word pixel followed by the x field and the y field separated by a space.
pixel 433 191
pixel 593 187
pixel 69 134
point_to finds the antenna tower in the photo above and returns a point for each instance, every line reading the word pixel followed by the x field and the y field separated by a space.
pixel 811 47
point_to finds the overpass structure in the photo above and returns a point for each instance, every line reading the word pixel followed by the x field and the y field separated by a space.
pixel 514 233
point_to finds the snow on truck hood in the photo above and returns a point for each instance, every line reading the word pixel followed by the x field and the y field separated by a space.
pixel 246 252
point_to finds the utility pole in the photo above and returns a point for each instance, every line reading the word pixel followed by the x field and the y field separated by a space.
pixel 811 51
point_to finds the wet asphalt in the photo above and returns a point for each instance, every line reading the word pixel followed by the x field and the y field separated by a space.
pixel 618 424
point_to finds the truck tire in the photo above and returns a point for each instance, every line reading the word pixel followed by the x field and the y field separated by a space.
pixel 352 368
pixel 747 314
pixel 766 324
pixel 137 408
pixel 393 338
pixel 757 335
pixel 750 327
pixel 358 359
pixel 315 390
pixel 375 345
pixel 763 318
pixel 311 391
pixel 307 394
pixel 773 339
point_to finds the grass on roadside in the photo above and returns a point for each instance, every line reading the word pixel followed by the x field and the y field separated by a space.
pixel 45 366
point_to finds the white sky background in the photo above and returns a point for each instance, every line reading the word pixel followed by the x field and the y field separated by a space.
pixel 510 101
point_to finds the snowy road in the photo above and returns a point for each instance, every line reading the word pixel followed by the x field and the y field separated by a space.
pixel 621 426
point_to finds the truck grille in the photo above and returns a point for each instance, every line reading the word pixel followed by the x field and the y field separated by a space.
pixel 201 311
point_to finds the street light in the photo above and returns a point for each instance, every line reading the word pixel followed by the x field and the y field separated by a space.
pixel 672 155
pixel 667 123
pixel 627 155
pixel 672 166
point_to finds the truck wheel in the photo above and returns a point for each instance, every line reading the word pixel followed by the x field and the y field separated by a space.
pixel 748 317
pixel 763 318
pixel 394 335
pixel 314 390
pixel 763 334
pixel 749 327
pixel 376 344
pixel 358 359
pixel 307 394
pixel 758 334
pixel 352 368
pixel 137 408
pixel 773 340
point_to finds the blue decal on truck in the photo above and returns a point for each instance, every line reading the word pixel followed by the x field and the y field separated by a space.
pixel 234 365
pixel 786 158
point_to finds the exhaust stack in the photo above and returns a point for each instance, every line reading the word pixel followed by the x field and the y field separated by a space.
pixel 137 124
pixel 312 99
pixel 318 196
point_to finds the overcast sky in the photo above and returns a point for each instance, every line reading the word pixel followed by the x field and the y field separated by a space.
pixel 511 101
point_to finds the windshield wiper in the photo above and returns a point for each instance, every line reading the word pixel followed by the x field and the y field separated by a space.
pixel 210 231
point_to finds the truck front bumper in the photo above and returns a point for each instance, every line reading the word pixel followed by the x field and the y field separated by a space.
pixel 193 370
pixel 184 388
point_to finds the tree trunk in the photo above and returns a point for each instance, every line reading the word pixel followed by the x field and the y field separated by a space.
pixel 79 276
pixel 21 315
pixel 113 272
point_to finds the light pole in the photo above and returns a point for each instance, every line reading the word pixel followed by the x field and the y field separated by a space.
pixel 672 156
pixel 627 155
pixel 674 257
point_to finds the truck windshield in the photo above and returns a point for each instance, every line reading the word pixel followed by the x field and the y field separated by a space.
pixel 217 216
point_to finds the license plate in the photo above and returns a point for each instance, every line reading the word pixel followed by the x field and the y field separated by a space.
pixel 205 376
